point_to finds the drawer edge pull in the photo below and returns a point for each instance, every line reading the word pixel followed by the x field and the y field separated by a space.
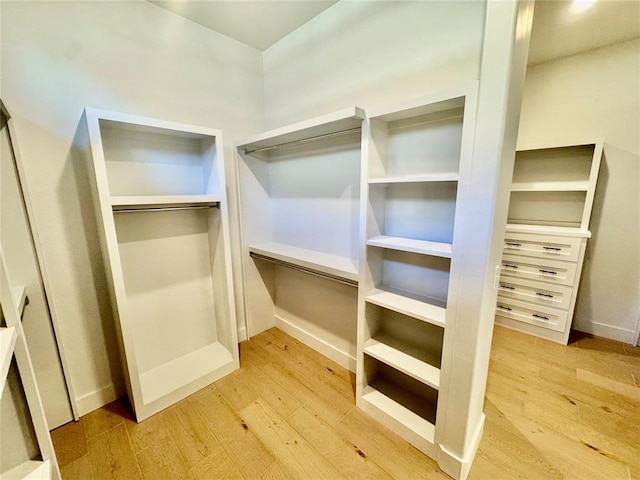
pixel 507 287
pixel 512 245
pixel 504 307
pixel 548 272
pixel 509 265
pixel 552 249
pixel 540 317
pixel 545 295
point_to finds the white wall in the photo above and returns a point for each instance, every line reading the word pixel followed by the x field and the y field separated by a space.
pixel 595 94
pixel 369 54
pixel 57 58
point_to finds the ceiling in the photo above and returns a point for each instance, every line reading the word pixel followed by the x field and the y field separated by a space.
pixel 256 23
pixel 559 28
pixel 563 27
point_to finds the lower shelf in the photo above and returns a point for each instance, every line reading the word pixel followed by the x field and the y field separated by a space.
pixel 408 304
pixel 401 414
pixel 173 375
pixel 29 470
pixel 333 265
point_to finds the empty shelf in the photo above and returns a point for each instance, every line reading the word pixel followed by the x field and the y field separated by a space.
pixel 433 177
pixel 408 306
pixel 424 247
pixel 134 202
pixel 29 470
pixel 401 414
pixel 381 349
pixel 344 120
pixel 166 378
pixel 549 230
pixel 578 186
pixel 334 265
pixel 19 298
pixel 7 342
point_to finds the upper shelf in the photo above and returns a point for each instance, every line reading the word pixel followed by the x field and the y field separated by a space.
pixel 7 342
pixel 548 230
pixel 424 247
pixel 433 177
pixel 333 265
pixel 575 186
pixel 136 202
pixel 333 123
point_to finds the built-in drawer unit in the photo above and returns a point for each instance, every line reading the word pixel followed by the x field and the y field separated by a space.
pixel 562 273
pixel 557 296
pixel 542 246
pixel 547 317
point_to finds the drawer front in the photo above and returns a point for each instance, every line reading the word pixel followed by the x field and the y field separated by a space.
pixel 546 294
pixel 542 246
pixel 552 271
pixel 546 317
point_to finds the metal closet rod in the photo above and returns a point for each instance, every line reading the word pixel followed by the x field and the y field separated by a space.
pixel 298 268
pixel 303 140
pixel 166 209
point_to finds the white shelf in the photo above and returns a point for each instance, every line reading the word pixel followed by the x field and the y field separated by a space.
pixel 7 342
pixel 333 265
pixel 134 202
pixel 577 186
pixel 401 414
pixel 381 348
pixel 548 230
pixel 434 177
pixel 171 376
pixel 333 123
pixel 423 247
pixel 19 298
pixel 421 310
pixel 30 470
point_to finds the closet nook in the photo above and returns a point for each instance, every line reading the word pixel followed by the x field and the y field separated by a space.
pixel 161 200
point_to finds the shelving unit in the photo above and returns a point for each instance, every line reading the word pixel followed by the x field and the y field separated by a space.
pixel 415 157
pixel 552 197
pixel 161 204
pixel 299 191
pixel 22 458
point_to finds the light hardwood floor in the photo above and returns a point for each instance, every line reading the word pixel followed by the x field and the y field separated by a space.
pixel 553 412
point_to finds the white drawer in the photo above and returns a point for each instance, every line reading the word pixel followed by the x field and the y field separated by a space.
pixel 542 246
pixel 558 296
pixel 529 268
pixel 546 317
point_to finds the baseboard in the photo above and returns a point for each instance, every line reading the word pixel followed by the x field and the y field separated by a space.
pixel 98 398
pixel 242 334
pixel 458 467
pixel 342 358
pixel 608 331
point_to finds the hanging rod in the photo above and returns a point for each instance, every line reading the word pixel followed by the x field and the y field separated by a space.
pixel 315 273
pixel 166 209
pixel 303 140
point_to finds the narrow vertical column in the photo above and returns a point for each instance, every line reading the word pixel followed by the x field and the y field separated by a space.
pixel 480 222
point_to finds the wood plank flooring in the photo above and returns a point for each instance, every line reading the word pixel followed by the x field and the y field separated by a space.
pixel 553 412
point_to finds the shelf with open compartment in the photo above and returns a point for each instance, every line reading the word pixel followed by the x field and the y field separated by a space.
pixel 160 196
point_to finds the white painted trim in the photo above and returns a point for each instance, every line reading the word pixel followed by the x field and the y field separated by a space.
pixel 462 465
pixel 242 334
pixel 319 345
pixel 612 332
pixel 99 398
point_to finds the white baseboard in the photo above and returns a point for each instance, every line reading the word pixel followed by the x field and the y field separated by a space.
pixel 242 334
pixel 456 466
pixel 342 358
pixel 608 331
pixel 98 398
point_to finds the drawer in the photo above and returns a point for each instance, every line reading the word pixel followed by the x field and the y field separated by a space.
pixel 529 268
pixel 551 295
pixel 542 246
pixel 546 317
